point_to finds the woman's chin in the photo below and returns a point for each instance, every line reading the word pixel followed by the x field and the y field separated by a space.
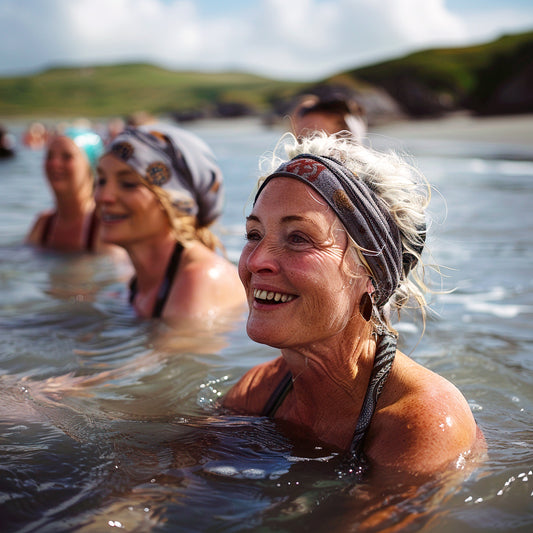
pixel 265 336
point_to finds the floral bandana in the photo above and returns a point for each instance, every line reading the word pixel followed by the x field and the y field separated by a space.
pixel 362 213
pixel 178 162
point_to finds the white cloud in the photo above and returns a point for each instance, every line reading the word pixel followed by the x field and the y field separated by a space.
pixel 289 39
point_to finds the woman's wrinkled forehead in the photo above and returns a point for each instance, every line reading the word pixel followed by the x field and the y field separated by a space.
pixel 294 198
pixel 287 201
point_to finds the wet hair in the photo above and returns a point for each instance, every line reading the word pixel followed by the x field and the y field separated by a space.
pixel 399 185
pixel 185 227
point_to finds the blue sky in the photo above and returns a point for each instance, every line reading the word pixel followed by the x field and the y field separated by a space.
pixel 286 39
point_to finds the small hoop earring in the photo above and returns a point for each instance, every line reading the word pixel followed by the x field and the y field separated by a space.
pixel 365 306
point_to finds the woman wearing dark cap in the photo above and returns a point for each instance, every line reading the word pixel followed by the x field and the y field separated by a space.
pixel 333 241
pixel 331 113
pixel 158 191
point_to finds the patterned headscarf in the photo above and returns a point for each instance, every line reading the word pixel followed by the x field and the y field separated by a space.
pixel 178 162
pixel 363 214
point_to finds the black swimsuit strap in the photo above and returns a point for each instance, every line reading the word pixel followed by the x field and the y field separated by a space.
pixel 164 288
pixel 133 289
pixel 47 228
pixel 276 398
pixel 93 230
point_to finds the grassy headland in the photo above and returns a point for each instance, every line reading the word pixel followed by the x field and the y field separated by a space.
pixel 491 78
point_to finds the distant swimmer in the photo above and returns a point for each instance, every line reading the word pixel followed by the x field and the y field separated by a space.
pixel 330 112
pixel 7 143
pixel 72 224
pixel 36 136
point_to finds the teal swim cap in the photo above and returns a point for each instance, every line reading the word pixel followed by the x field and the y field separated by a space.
pixel 90 142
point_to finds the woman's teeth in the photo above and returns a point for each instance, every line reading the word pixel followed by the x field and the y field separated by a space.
pixel 271 296
pixel 108 217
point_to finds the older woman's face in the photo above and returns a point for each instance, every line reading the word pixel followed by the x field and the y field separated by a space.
pixel 129 211
pixel 292 268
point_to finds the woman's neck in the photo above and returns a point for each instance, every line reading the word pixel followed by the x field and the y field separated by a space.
pixel 74 206
pixel 333 374
pixel 150 261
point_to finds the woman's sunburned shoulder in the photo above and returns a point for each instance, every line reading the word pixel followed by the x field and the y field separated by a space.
pixel 206 284
pixel 422 424
pixel 251 393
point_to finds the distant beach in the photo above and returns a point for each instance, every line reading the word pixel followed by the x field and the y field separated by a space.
pixel 507 129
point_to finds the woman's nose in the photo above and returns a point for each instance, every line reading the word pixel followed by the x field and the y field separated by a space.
pixel 52 162
pixel 104 194
pixel 263 258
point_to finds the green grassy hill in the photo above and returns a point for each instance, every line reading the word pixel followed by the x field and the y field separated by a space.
pixel 124 89
pixel 491 78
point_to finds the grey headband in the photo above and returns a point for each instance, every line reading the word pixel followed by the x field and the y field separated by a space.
pixel 362 213
pixel 178 162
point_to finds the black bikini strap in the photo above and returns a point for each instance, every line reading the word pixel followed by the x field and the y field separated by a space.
pixel 133 289
pixel 47 228
pixel 385 353
pixel 276 398
pixel 165 287
pixel 91 235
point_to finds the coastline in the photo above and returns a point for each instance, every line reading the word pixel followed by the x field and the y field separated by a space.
pixel 502 129
pixel 505 136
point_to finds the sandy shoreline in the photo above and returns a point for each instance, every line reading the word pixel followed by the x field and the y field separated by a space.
pixel 514 130
pixel 509 130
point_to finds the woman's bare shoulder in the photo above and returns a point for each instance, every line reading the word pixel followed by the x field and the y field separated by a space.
pixel 424 424
pixel 35 233
pixel 251 392
pixel 206 283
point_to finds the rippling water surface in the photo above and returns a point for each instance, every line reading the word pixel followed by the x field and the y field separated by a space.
pixel 108 422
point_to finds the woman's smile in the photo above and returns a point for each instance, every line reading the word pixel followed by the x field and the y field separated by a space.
pixel 263 296
pixel 112 218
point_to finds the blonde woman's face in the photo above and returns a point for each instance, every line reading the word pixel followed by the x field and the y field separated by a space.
pixel 129 211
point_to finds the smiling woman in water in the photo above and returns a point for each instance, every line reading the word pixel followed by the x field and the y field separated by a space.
pixel 333 240
pixel 158 191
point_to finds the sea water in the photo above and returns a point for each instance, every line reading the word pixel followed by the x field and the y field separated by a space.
pixel 128 434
